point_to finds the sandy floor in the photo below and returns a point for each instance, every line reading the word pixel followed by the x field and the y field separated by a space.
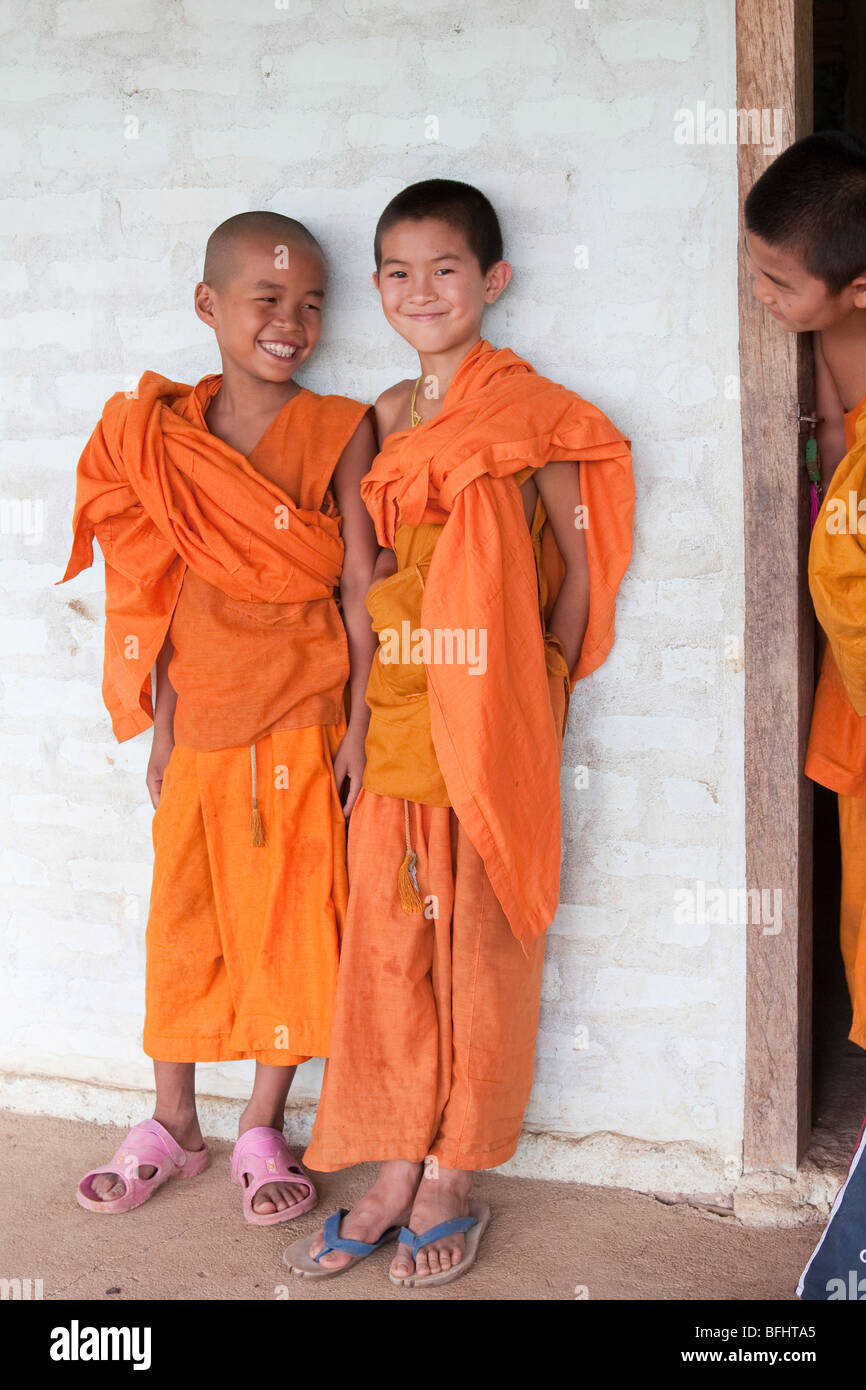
pixel 546 1239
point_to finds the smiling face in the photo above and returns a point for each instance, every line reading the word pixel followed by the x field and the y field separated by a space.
pixel 267 316
pixel 433 289
pixel 798 302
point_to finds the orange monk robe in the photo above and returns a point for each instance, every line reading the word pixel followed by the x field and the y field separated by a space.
pixel 836 755
pixel 495 734
pixel 237 559
pixel 433 1040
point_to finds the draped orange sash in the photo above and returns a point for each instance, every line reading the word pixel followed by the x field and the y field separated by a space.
pixel 495 735
pixel 161 494
pixel 837 570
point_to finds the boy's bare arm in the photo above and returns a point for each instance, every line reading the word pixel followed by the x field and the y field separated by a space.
pixel 163 724
pixel 830 410
pixel 359 561
pixel 559 486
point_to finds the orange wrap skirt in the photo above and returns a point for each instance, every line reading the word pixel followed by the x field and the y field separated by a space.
pixel 852 836
pixel 435 1022
pixel 243 941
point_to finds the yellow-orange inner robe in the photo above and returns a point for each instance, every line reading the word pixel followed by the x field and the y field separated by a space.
pixel 836 754
pixel 236 558
pixel 436 1016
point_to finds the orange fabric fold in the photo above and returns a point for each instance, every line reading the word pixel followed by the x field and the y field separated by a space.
pixel 495 733
pixel 162 495
pixel 836 755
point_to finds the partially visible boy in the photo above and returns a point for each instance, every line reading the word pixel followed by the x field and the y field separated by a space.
pixel 806 251
pixel 497 591
pixel 228 514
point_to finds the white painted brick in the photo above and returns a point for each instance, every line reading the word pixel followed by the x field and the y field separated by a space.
pixel 314 66
pixel 455 60
pixel 11 152
pixel 551 986
pixel 690 798
pixel 21 868
pixel 49 214
pixel 77 19
pixel 668 733
pixel 645 989
pixel 458 129
pixel 44 328
pixel 588 922
pixel 690 663
pixel 635 190
pixel 646 40
pixel 21 751
pixel 22 637
pixel 544 1103
pixel 653 319
pixel 628 859
pixel 51 809
pixel 165 78
pixel 65 147
pixel 687 382
pixel 38 694
pixel 176 206
pixel 87 757
pixel 35 934
pixel 13 277
pixel 574 115
pixel 22 83
pixel 109 876
pixel 224 16
pixel 146 336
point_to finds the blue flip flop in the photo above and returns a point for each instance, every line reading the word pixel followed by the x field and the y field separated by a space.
pixel 475 1224
pixel 307 1266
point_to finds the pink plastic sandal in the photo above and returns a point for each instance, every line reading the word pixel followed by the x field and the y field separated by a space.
pixel 261 1156
pixel 147 1143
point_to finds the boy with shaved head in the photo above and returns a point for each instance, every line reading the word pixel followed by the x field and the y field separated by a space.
pixel 229 514
pixel 503 503
pixel 806 250
pixel 806 247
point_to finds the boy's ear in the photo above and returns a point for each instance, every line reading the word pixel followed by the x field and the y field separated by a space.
pixel 376 278
pixel 858 288
pixel 204 303
pixel 495 280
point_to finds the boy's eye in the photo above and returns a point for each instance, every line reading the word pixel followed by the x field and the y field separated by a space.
pixel 444 270
pixel 267 299
pixel 313 306
pixel 396 274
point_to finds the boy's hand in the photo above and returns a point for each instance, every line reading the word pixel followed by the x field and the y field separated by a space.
pixel 349 764
pixel 157 763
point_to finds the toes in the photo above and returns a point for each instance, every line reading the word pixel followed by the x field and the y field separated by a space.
pixel 277 1197
pixel 335 1259
pixel 403 1264
pixel 108 1186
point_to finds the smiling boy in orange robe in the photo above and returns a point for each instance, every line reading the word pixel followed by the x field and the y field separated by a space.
pixel 495 593
pixel 806 247
pixel 228 513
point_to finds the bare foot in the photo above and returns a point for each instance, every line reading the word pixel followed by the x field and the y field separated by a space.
pixel 388 1203
pixel 274 1196
pixel 183 1129
pixel 439 1198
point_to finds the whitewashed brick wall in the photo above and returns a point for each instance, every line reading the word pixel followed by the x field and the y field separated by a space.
pixel 131 128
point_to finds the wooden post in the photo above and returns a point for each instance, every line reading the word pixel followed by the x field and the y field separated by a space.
pixel 774 71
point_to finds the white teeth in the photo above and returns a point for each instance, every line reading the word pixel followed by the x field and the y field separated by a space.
pixel 280 349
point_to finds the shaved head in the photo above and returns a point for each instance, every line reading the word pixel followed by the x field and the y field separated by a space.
pixel 224 252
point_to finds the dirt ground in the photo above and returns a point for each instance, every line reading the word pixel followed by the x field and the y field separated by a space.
pixel 547 1240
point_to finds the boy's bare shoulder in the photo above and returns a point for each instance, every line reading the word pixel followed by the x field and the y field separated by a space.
pixel 392 408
